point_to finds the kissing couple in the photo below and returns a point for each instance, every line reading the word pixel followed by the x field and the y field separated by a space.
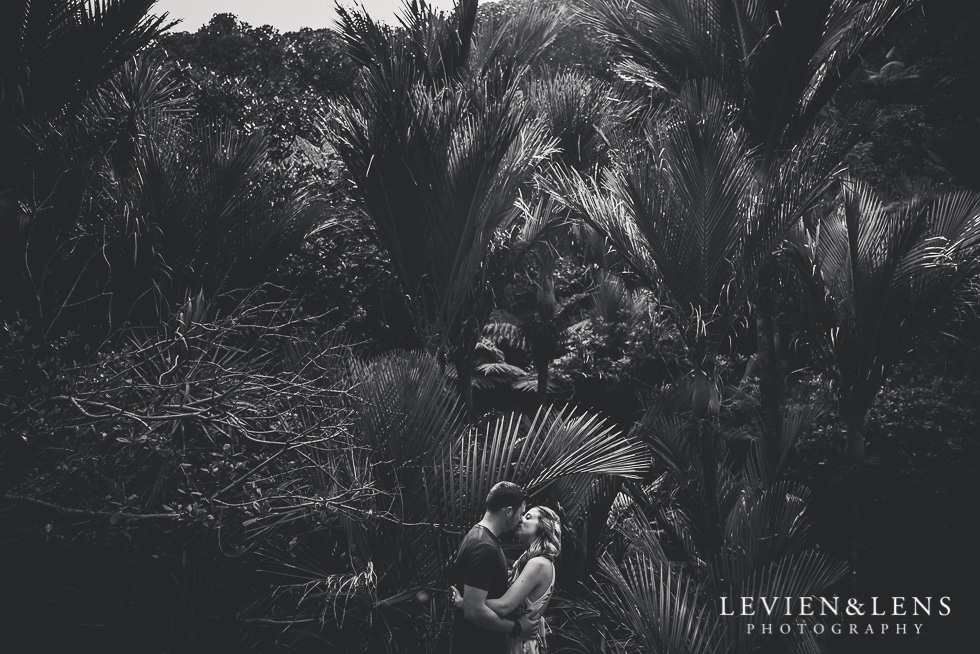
pixel 499 608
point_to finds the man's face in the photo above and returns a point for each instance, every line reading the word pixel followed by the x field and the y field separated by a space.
pixel 516 517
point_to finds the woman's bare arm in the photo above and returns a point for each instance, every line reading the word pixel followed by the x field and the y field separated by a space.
pixel 530 583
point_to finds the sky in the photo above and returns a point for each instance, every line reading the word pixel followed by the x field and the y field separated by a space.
pixel 284 15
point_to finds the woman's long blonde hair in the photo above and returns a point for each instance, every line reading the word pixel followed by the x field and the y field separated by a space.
pixel 546 544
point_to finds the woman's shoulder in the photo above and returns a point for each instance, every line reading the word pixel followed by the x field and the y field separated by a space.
pixel 539 564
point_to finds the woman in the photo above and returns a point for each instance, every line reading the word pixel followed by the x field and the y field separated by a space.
pixel 532 577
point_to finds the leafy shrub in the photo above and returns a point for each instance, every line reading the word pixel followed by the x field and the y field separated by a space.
pixel 207 448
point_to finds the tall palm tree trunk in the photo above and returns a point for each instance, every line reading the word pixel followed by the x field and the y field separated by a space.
pixel 542 365
pixel 709 472
pixel 770 374
pixel 854 459
pixel 545 340
pixel 463 363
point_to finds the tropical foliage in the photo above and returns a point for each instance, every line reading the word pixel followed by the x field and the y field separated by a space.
pixel 53 53
pixel 135 205
pixel 439 143
pixel 892 280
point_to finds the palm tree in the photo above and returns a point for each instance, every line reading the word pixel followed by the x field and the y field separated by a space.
pixel 439 140
pixel 660 584
pixel 52 53
pixel 534 248
pixel 778 65
pixel 686 210
pixel 892 278
pixel 150 206
pixel 577 111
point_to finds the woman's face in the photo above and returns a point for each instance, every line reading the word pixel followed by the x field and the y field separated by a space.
pixel 527 531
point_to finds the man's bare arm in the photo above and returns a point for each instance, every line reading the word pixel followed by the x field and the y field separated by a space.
pixel 476 611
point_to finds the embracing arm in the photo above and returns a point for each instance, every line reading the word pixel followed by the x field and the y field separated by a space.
pixel 532 582
pixel 476 611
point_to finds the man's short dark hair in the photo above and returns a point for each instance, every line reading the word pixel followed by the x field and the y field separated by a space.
pixel 504 494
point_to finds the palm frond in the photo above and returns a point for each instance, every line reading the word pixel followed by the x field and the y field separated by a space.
pixel 659 606
pixel 406 416
pixel 500 369
pixel 894 278
pixel 780 63
pixel 509 46
pixel 769 455
pixel 577 110
pixel 535 452
pixel 440 157
pixel 668 42
pixel 677 208
pixel 56 50
pixel 505 330
pixel 808 573
pixel 762 526
pixel 406 411
pixel 368 42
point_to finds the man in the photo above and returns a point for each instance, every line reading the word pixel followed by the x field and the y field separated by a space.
pixel 480 573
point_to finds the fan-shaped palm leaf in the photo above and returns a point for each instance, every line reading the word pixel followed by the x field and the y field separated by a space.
pixel 405 410
pixel 659 606
pixel 761 526
pixel 536 452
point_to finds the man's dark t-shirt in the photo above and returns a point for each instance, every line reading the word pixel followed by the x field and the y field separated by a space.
pixel 480 563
